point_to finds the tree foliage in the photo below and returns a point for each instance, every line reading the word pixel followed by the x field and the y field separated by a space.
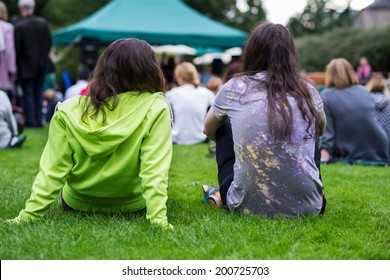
pixel 61 13
pixel 315 51
pixel 227 11
pixel 319 16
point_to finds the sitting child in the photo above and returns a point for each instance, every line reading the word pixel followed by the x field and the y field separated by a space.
pixel 110 150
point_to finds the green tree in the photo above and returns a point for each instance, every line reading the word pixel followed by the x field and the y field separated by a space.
pixel 319 16
pixel 227 11
pixel 315 51
pixel 61 13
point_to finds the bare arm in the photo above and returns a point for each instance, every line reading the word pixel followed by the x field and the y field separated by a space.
pixel 211 124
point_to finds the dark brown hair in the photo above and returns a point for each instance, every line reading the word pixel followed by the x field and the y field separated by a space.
pixel 271 48
pixel 126 65
pixel 233 69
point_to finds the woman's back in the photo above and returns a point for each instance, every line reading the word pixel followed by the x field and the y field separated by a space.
pixel 352 126
pixel 189 106
pixel 272 177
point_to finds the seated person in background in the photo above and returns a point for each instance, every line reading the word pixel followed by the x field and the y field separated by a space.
pixel 388 80
pixel 82 82
pixel 364 71
pixel 233 69
pixel 51 97
pixel 8 125
pixel 352 132
pixel 189 103
pixel 214 84
pixel 381 98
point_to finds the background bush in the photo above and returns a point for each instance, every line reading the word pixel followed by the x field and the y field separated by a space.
pixel 315 51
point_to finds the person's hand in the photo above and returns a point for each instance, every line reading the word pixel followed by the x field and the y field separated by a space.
pixel 325 156
pixel 15 221
pixel 164 225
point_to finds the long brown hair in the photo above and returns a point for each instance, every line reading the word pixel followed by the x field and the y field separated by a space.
pixel 126 65
pixel 271 48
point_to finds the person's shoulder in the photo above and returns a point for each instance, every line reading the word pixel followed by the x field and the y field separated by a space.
pixel 204 90
pixel 31 21
pixel 70 103
pixel 236 84
pixel 359 88
pixel 173 91
pixel 314 92
pixel 310 87
pixel 160 102
pixel 159 105
pixel 328 91
pixel 379 96
pixel 3 95
pixel 35 18
pixel 6 26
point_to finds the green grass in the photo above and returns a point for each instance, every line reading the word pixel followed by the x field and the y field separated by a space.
pixel 356 224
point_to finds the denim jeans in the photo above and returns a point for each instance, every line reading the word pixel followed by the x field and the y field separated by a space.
pixel 32 101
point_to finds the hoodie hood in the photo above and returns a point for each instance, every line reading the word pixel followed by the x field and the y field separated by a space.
pixel 100 139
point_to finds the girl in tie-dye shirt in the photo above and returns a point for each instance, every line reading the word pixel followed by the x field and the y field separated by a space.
pixel 275 118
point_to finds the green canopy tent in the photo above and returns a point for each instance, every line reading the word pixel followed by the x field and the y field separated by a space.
pixel 158 22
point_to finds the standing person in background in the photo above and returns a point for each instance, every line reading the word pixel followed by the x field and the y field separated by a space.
pixel 189 103
pixel 7 53
pixel 364 71
pixel 32 44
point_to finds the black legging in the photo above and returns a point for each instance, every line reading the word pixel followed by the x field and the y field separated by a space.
pixel 225 158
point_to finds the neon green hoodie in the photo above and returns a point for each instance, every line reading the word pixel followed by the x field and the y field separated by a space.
pixel 121 165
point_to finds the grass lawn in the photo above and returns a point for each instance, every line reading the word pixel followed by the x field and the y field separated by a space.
pixel 356 224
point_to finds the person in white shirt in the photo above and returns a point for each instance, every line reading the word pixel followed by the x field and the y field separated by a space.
pixel 8 125
pixel 190 103
pixel 82 83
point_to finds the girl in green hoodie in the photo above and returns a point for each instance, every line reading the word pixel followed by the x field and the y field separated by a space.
pixel 110 150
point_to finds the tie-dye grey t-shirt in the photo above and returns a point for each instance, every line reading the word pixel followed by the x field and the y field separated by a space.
pixel 271 177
